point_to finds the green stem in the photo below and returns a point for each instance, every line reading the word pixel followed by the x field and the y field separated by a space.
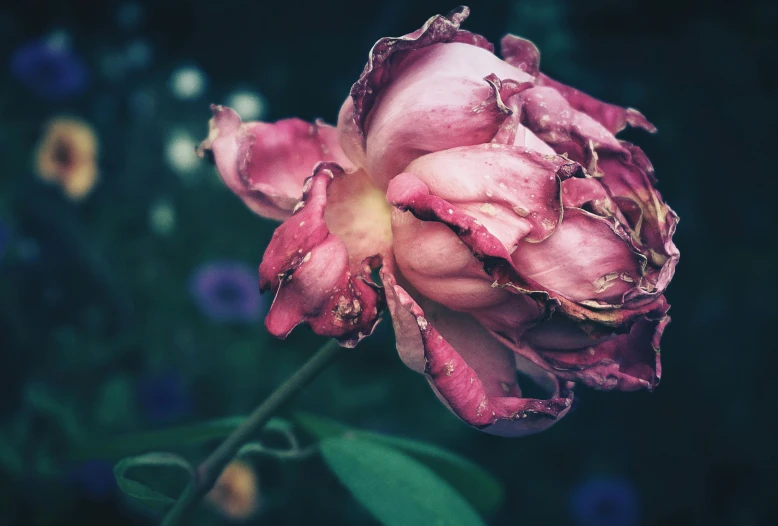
pixel 208 472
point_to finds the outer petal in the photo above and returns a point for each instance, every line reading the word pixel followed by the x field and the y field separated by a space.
pixel 626 362
pixel 308 269
pixel 625 174
pixel 440 97
pixel 583 260
pixel 523 54
pixel 575 326
pixel 472 373
pixel 513 191
pixel 515 197
pixel 378 70
pixel 266 164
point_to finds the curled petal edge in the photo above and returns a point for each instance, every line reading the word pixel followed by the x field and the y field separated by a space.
pixel 460 387
pixel 377 71
pixel 307 267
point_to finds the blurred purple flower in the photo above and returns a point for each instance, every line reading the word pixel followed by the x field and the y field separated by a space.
pixel 227 291
pixel 164 397
pixel 606 501
pixel 49 70
pixel 93 477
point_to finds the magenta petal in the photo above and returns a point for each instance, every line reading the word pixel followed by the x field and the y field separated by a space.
pixel 585 259
pixel 477 381
pixel 266 164
pixel 308 269
pixel 520 53
pixel 614 118
pixel 378 70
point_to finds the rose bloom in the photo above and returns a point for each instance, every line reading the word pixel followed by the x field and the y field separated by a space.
pixel 516 239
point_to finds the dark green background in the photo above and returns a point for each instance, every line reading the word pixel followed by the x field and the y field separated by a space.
pixel 107 303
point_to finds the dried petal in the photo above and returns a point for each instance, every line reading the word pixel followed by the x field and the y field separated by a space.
pixel 471 372
pixel 308 269
pixel 266 164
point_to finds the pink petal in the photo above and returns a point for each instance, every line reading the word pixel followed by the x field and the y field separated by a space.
pixel 378 70
pixel 350 136
pixel 626 362
pixel 427 244
pixel 629 179
pixel 265 164
pixel 626 175
pixel 523 55
pixel 513 191
pixel 439 99
pixel 421 266
pixel 472 373
pixel 358 213
pixel 308 269
pixel 614 118
pixel 583 260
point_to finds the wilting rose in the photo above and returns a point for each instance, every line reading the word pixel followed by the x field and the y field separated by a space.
pixel 512 230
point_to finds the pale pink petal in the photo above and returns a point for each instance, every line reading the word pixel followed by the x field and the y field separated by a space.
pixel 352 141
pixel 379 69
pixel 513 191
pixel 266 164
pixel 523 54
pixel 439 99
pixel 583 260
pixel 472 373
pixel 308 269
pixel 625 174
pixel 614 118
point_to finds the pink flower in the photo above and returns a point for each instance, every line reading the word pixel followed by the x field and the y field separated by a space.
pixel 513 233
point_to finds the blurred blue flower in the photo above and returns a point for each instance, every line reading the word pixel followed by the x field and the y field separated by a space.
pixel 49 69
pixel 164 397
pixel 227 291
pixel 93 477
pixel 605 501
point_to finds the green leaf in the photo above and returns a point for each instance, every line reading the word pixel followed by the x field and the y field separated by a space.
pixel 141 492
pixel 172 438
pixel 395 488
pixel 478 486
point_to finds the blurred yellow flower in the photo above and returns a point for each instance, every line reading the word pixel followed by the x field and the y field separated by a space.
pixel 67 155
pixel 236 492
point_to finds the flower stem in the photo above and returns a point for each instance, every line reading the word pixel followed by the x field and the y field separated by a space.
pixel 210 469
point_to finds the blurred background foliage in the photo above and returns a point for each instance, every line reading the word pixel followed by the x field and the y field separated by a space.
pixel 129 305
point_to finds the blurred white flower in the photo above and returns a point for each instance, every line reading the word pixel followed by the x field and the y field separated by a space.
pixel 248 104
pixel 180 152
pixel 187 82
pixel 162 217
